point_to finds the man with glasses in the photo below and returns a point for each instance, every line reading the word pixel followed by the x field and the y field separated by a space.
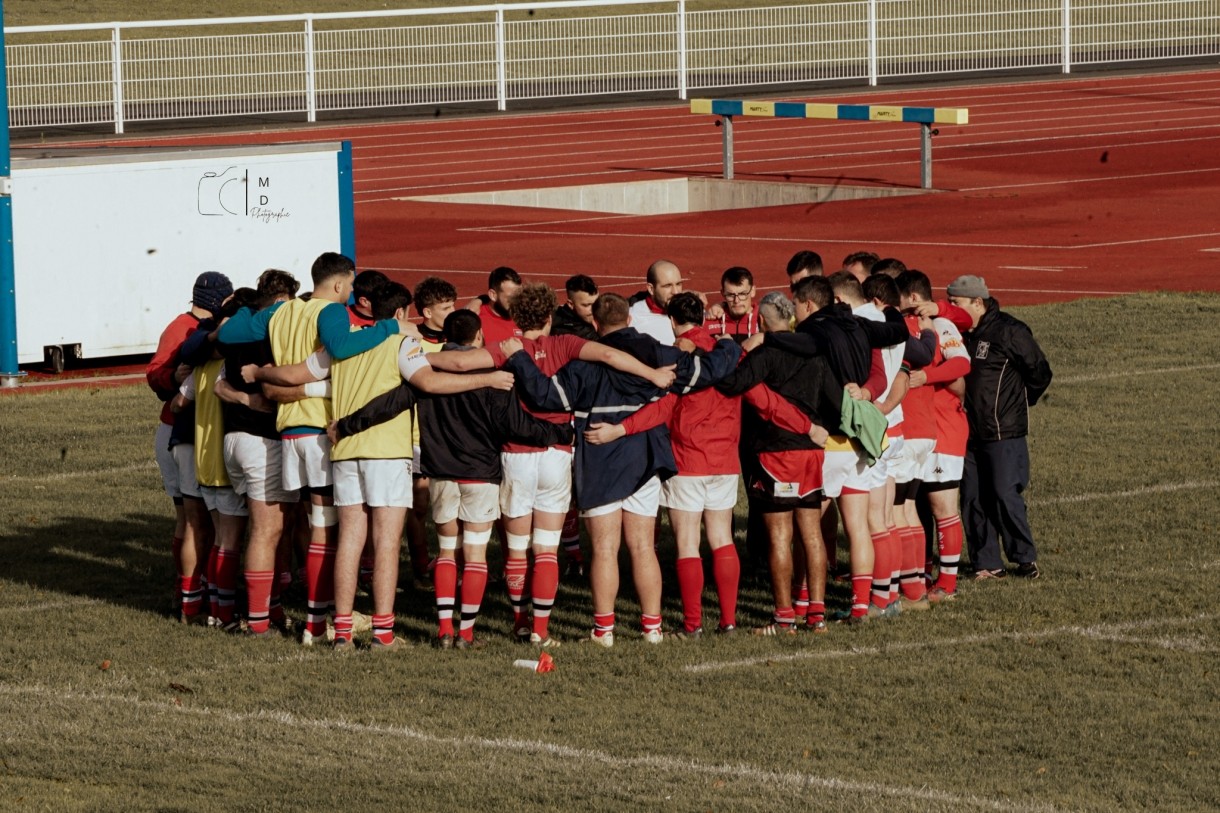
pixel 738 317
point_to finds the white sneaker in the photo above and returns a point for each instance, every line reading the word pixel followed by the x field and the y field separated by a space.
pixel 309 639
pixel 606 640
pixel 653 637
pixel 543 643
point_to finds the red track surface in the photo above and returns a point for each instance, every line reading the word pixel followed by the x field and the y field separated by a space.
pixel 1058 188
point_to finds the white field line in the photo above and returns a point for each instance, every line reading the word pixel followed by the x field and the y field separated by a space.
pixel 1095 631
pixel 1081 379
pixel 1165 488
pixel 51 605
pixel 568 754
pixel 72 475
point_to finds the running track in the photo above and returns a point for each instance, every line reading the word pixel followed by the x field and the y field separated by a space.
pixel 1058 188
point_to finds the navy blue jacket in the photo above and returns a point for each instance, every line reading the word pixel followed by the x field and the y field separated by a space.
pixel 597 394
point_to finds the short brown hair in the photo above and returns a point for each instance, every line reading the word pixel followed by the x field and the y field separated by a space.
pixel 610 309
pixel 273 283
pixel 533 305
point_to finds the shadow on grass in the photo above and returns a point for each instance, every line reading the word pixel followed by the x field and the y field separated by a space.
pixel 126 562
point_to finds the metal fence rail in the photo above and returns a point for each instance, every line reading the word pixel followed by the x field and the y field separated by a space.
pixel 122 73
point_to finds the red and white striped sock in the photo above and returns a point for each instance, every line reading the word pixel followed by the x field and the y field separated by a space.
pixel 515 571
pixel 227 564
pixel 881 569
pixel 191 588
pixel 913 585
pixel 860 588
pixel 383 628
pixel 800 596
pixel 650 623
pixel 319 586
pixel 546 586
pixel 343 628
pixel 474 584
pixel 949 544
pixel 258 599
pixel 785 616
pixel 817 613
pixel 444 577
pixel 602 624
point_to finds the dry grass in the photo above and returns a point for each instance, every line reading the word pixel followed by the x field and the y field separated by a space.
pixel 1091 689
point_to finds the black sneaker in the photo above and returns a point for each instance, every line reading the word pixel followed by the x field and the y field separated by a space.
pixel 1027 570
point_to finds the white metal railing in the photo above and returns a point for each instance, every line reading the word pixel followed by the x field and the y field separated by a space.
pixel 120 73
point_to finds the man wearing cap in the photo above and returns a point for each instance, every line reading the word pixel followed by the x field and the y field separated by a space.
pixel 1008 374
pixel 165 375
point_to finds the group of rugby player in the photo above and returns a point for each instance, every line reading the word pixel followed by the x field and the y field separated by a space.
pixel 320 426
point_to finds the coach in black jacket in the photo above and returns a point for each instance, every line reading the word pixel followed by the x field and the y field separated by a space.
pixel 1008 374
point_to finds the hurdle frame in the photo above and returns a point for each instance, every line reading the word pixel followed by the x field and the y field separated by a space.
pixel 925 117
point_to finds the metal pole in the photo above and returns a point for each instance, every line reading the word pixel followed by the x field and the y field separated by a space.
pixel 728 146
pixel 311 80
pixel 681 49
pixel 116 76
pixel 925 156
pixel 9 373
pixel 872 43
pixel 1067 36
pixel 501 68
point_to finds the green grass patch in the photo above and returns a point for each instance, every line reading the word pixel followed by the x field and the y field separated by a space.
pixel 1090 689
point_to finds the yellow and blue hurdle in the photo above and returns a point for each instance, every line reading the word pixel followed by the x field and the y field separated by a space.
pixel 925 117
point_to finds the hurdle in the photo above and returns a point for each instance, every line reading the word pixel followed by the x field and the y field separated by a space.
pixel 925 117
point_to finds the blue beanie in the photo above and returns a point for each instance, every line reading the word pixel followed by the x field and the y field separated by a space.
pixel 211 289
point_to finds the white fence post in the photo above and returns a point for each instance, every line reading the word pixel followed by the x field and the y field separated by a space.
pixel 681 49
pixel 116 76
pixel 311 83
pixel 1067 36
pixel 872 43
pixel 501 68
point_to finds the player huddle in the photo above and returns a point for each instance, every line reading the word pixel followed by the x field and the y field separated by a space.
pixel 315 429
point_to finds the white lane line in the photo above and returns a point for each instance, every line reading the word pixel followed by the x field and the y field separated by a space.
pixel 72 475
pixel 1093 631
pixel 569 754
pixel 1164 488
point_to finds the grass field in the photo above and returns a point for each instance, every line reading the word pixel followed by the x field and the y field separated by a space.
pixel 1093 688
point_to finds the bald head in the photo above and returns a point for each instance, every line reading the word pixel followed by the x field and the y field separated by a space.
pixel 664 280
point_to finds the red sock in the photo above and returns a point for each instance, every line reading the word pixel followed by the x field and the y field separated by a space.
pixel 949 538
pixel 191 588
pixel 602 624
pixel 800 596
pixel 726 571
pixel 881 569
pixel 258 599
pixel 650 622
pixel 474 584
pixel 817 613
pixel 444 577
pixel 227 563
pixel 383 628
pixel 785 616
pixel 690 585
pixel 319 586
pixel 860 586
pixel 913 586
pixel 570 537
pixel 546 585
pixel 515 571
pixel 276 610
pixel 210 580
pixel 895 545
pixel 343 628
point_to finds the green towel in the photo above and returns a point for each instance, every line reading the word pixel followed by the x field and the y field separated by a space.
pixel 863 422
